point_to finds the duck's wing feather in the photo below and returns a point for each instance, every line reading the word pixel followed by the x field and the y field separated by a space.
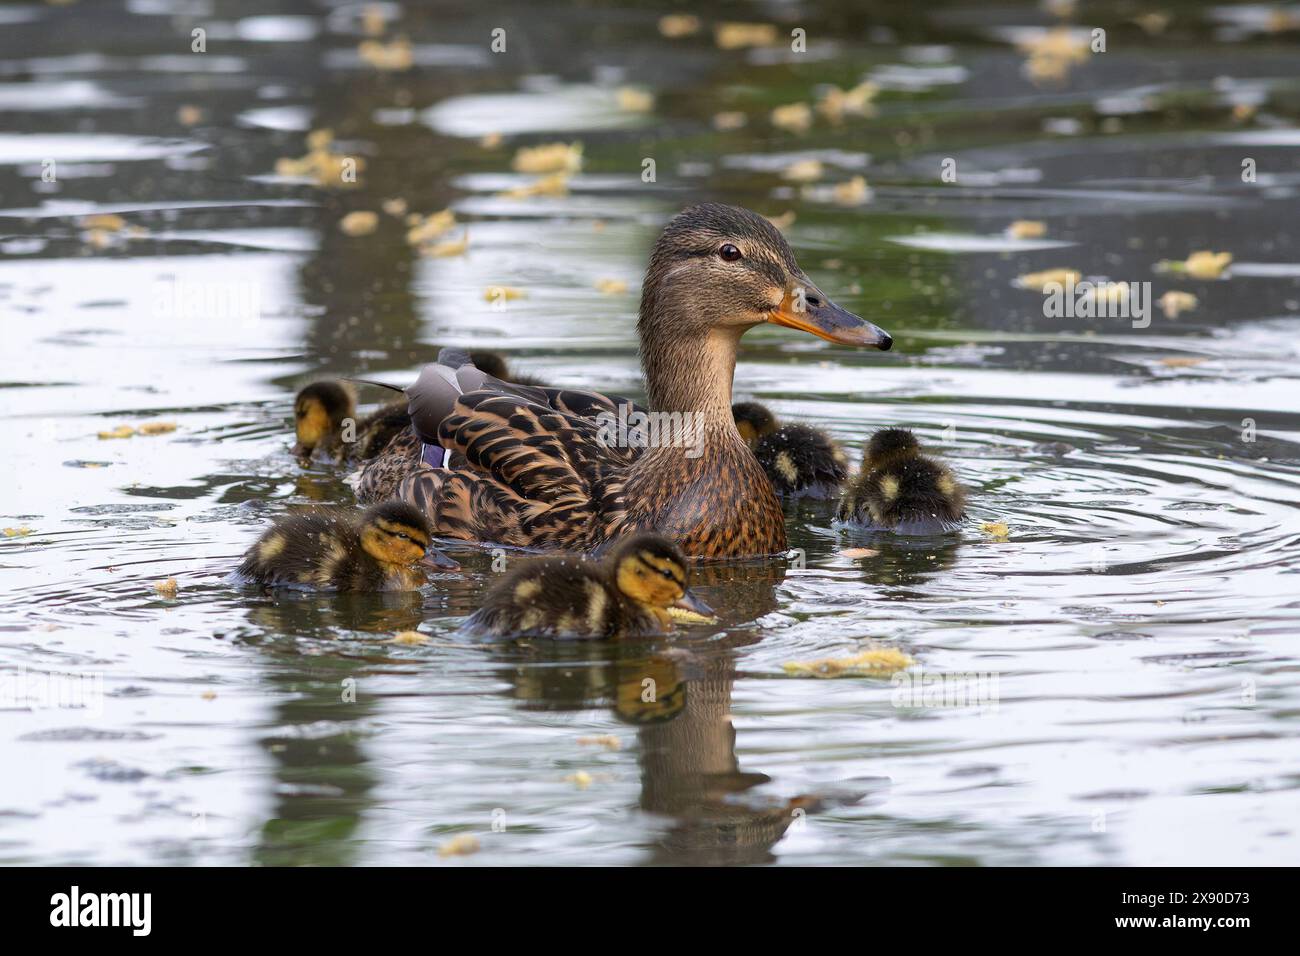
pixel 529 466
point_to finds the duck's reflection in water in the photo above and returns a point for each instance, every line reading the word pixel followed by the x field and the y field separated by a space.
pixel 901 565
pixel 677 693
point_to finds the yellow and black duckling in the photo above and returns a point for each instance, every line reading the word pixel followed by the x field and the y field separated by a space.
pixel 325 421
pixel 800 461
pixel 561 469
pixel 900 489
pixel 627 594
pixel 495 365
pixel 337 549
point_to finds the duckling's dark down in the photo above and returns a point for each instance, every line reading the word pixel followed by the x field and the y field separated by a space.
pixel 800 461
pixel 495 365
pixel 321 414
pixel 339 549
pixel 900 489
pixel 625 595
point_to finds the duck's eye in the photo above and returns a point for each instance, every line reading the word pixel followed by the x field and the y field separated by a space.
pixel 729 253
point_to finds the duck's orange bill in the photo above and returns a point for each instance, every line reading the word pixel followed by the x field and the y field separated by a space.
pixel 805 308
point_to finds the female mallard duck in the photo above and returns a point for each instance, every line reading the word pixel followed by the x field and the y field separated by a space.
pixel 800 461
pixel 570 470
pixel 628 594
pixel 899 489
pixel 335 549
pixel 322 412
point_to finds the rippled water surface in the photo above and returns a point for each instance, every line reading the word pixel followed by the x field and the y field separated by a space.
pixel 1138 621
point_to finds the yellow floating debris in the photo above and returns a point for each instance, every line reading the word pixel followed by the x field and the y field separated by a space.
pixel 608 741
pixel 548 158
pixel 1181 361
pixel 322 165
pixel 677 25
pixel 491 141
pixel 1203 264
pixel 460 845
pixel 611 286
pixel 633 100
pixel 581 779
pixel 424 229
pixel 855 553
pixel 1027 229
pixel 1037 280
pixel 1173 303
pixel 18 532
pixel 108 221
pixel 156 428
pixel 395 207
pixel 729 120
pixel 209 695
pixel 448 249
pixel 783 221
pixel 736 36
pixel 795 117
pixel 189 115
pixel 394 56
pixel 121 431
pixel 997 530
pixel 167 588
pixel 359 223
pixel 502 293
pixel 409 638
pixel 803 171
pixel 877 662
pixel 556 184
pixel 835 103
pixel 854 192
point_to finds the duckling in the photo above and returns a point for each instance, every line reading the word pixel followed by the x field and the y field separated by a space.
pixel 495 365
pixel 902 490
pixel 801 461
pixel 321 414
pixel 625 595
pixel 335 549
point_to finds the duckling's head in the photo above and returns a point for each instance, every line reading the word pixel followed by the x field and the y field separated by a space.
pixel 753 421
pixel 722 267
pixel 651 571
pixel 491 363
pixel 318 412
pixel 396 532
pixel 889 444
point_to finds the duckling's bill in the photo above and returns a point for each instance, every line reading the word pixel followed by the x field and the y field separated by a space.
pixel 433 558
pixel 808 309
pixel 691 609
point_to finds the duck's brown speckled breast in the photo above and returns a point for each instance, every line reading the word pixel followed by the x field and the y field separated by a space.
pixel 720 505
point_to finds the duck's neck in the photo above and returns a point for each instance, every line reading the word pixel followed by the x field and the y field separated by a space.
pixel 693 374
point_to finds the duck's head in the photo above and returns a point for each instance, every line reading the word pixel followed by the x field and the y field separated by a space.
pixel 395 532
pixel 319 412
pixel 718 266
pixel 889 444
pixel 651 571
pixel 753 421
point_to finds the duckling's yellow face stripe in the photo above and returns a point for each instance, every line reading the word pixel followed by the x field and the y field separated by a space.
pixel 651 579
pixel 311 422
pixel 394 543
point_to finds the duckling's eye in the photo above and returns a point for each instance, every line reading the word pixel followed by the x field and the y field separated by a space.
pixel 729 253
pixel 666 573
